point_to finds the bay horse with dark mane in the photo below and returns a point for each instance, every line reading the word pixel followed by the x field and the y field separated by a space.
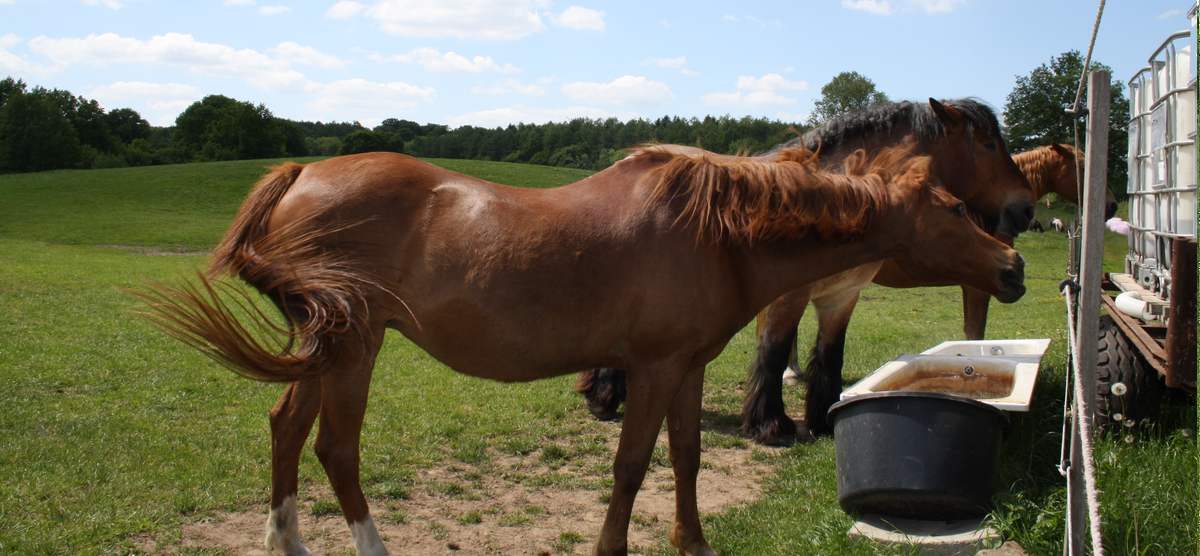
pixel 516 284
pixel 969 157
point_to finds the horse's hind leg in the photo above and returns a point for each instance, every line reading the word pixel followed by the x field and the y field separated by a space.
pixel 825 363
pixel 291 421
pixel 650 393
pixel 343 404
pixel 764 417
pixel 683 426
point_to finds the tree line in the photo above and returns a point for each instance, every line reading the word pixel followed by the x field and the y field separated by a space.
pixel 42 129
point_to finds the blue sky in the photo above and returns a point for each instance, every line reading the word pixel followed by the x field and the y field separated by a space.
pixel 494 62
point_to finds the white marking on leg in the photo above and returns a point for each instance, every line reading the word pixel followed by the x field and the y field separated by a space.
pixel 366 538
pixel 791 377
pixel 283 530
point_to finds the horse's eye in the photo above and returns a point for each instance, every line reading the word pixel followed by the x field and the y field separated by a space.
pixel 989 146
pixel 960 209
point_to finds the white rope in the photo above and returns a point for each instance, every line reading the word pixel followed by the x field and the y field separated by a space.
pixel 1085 434
pixel 1087 62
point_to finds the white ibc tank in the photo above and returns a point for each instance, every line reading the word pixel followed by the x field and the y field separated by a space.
pixel 1162 157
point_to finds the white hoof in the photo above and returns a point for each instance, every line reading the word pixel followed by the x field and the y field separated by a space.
pixel 283 530
pixel 791 377
pixel 366 538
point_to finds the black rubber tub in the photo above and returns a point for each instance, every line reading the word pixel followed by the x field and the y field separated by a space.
pixel 916 455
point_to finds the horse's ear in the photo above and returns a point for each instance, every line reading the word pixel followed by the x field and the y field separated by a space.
pixel 949 115
pixel 1062 150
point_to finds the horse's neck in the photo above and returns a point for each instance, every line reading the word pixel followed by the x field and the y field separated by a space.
pixel 775 270
pixel 1038 175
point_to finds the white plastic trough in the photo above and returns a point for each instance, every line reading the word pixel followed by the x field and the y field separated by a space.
pixel 1000 373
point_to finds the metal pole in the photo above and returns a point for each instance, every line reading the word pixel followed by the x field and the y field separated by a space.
pixel 1087 327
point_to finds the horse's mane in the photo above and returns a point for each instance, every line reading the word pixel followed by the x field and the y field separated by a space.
pixel 915 117
pixel 753 199
pixel 1041 163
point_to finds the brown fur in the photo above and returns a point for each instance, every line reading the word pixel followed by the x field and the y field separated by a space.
pixel 754 199
pixel 518 284
pixel 1051 169
pixel 319 291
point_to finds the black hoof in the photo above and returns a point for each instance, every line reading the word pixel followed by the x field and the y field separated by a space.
pixel 603 412
pixel 820 428
pixel 774 431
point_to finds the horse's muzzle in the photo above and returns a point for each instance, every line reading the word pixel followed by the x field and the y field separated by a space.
pixel 1015 219
pixel 1012 282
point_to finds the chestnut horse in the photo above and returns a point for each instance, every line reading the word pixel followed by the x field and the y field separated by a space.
pixel 970 158
pixel 1054 169
pixel 518 284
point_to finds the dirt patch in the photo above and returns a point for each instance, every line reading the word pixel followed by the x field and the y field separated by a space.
pixel 512 504
pixel 156 251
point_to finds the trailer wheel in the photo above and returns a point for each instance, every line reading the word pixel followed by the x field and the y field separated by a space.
pixel 1127 389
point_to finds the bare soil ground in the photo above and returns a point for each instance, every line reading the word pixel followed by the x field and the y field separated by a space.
pixel 527 504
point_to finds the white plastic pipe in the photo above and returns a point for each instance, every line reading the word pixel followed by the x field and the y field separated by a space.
pixel 1131 304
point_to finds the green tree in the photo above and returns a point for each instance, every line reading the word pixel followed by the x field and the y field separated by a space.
pixel 35 134
pixel 127 125
pixel 364 142
pixel 848 91
pixel 10 87
pixel 221 128
pixel 1035 112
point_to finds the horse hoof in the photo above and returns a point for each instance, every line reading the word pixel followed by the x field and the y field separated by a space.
pixel 775 431
pixel 603 413
pixel 821 428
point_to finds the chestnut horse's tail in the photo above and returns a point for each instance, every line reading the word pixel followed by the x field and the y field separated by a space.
pixel 318 290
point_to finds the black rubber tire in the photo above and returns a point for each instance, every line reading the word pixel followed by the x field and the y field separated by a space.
pixel 1119 362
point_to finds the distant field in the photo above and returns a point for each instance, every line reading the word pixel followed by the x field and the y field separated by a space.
pixel 117 439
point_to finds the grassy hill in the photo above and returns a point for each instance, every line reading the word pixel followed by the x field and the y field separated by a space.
pixel 115 436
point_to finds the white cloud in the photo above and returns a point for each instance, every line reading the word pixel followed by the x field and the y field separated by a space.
pixel 677 63
pixel 877 7
pixel 625 90
pixel 939 6
pixel 171 49
pixel 509 86
pixel 1174 12
pixel 464 19
pixel 110 4
pixel 446 62
pixel 345 9
pixel 365 101
pixel 159 103
pixel 12 63
pixel 500 117
pixel 273 10
pixel 306 55
pixel 577 17
pixel 758 91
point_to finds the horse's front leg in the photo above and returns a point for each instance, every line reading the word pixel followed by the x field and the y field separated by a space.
pixel 975 312
pixel 825 363
pixel 651 390
pixel 764 417
pixel 683 426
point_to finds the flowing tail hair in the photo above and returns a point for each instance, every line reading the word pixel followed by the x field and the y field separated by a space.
pixel 320 293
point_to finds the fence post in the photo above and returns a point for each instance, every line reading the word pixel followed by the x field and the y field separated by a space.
pixel 1091 272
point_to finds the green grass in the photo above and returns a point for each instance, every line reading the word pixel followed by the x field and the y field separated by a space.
pixel 114 433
